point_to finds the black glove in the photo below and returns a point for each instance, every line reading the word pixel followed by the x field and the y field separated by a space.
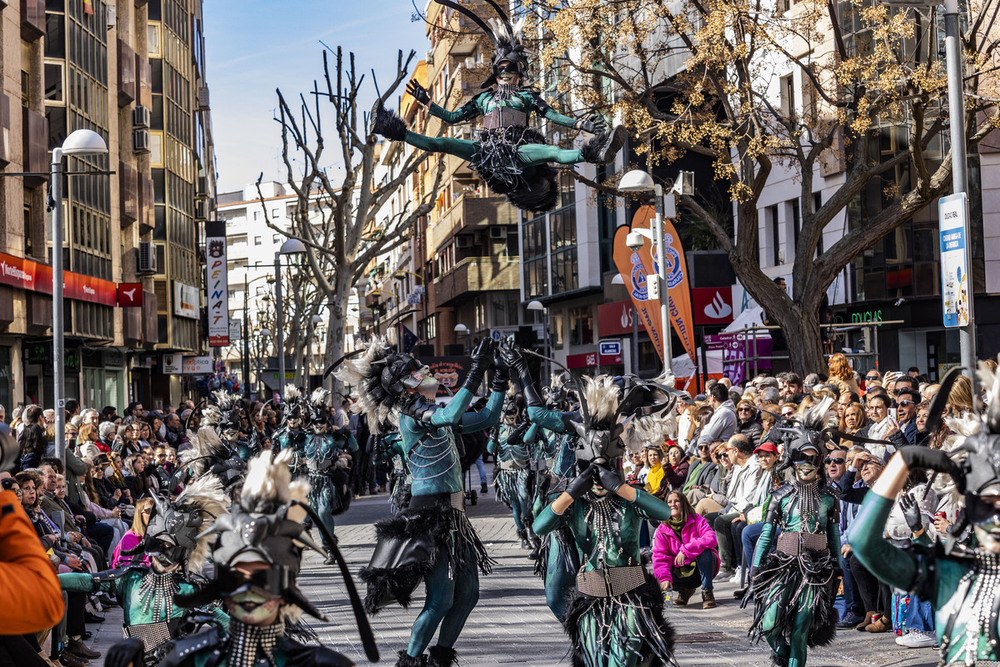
pixel 609 479
pixel 911 512
pixel 501 374
pixel 918 456
pixel 418 92
pixel 516 436
pixel 126 652
pixel 518 365
pixel 482 358
pixel 594 125
pixel 582 483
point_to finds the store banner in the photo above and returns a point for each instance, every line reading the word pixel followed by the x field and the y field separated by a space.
pixel 197 366
pixel 614 319
pixel 712 305
pixel 185 300
pixel 217 284
pixel 635 267
pixel 31 275
pixel 130 295
pixel 735 346
pixel 953 215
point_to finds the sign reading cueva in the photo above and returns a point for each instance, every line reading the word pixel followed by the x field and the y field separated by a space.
pixel 217 284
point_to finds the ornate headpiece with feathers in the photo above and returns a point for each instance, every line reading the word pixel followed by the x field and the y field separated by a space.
pixel 647 432
pixel 177 528
pixel 505 35
pixel 381 374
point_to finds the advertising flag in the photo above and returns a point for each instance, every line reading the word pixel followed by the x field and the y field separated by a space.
pixel 636 267
pixel 217 284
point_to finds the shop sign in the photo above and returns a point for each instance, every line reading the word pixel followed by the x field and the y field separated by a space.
pixel 615 319
pixel 450 373
pixel 712 305
pixel 172 363
pixel 30 275
pixel 197 366
pixel 584 360
pixel 185 300
pixel 130 295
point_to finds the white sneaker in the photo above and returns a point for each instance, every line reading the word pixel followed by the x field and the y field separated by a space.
pixel 917 639
pixel 737 576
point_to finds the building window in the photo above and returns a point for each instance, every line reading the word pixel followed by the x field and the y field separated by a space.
pixel 257 240
pixel 772 214
pixel 796 223
pixel 276 238
pixel 581 326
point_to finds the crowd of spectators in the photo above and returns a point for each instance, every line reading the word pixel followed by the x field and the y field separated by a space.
pixel 718 476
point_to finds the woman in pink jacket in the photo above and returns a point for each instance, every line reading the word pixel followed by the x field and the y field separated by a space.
pixel 685 553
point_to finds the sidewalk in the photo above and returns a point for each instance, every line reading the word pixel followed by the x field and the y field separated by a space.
pixel 511 624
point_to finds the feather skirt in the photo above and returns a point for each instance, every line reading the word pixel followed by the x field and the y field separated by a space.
pixel 786 585
pixel 497 162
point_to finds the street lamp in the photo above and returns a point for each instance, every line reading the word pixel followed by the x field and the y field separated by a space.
pixel 639 181
pixel 462 329
pixel 263 335
pixel 289 247
pixel 78 143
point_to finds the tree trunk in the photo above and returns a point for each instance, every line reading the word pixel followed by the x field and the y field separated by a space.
pixel 805 347
pixel 336 327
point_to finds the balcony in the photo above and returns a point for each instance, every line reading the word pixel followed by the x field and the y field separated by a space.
pixel 32 19
pixel 126 74
pixel 469 212
pixel 128 192
pixel 476 274
pixel 5 147
pixel 35 146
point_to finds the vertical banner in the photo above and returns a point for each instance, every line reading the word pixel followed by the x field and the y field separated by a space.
pixel 953 211
pixel 217 284
pixel 635 267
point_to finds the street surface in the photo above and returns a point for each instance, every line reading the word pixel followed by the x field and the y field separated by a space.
pixel 512 625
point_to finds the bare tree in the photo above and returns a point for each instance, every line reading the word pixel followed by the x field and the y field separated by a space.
pixel 337 220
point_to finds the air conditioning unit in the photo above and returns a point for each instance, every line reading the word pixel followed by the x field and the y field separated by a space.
pixel 203 98
pixel 498 232
pixel 140 141
pixel 201 209
pixel 140 117
pixel 146 263
pixel 463 241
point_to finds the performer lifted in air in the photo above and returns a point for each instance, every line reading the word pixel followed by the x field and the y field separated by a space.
pixel 510 156
pixel 432 539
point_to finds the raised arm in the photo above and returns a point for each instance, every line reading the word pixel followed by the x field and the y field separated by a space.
pixel 465 113
pixel 594 125
pixel 487 417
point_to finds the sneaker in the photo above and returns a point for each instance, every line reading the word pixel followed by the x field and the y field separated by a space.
pixel 849 621
pixel 737 575
pixel 917 639
pixel 724 575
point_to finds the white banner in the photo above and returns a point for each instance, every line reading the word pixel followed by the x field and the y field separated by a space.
pixel 185 300
pixel 953 213
pixel 197 366
pixel 217 284
pixel 172 363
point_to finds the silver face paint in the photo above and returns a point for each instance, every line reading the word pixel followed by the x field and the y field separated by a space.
pixel 253 607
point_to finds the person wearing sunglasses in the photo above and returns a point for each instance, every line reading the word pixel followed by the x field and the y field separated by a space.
pixel 907 402
pixel 746 422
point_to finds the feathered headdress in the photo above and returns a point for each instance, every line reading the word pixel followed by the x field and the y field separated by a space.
pixel 381 375
pixel 177 528
pixel 505 35
pixel 647 432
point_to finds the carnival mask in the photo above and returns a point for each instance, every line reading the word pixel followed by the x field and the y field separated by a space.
pixel 254 607
pixel 806 464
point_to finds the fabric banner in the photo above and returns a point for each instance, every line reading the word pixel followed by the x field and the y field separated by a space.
pixel 636 266
pixel 450 372
pixel 734 348
pixel 217 284
pixel 409 339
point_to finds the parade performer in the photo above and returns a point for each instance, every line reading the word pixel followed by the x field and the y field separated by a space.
pixel 510 156
pixel 614 615
pixel 961 581
pixel 257 555
pixel 214 448
pixel 329 479
pixel 794 588
pixel 432 539
pixel 177 549
pixel 511 454
pixel 292 432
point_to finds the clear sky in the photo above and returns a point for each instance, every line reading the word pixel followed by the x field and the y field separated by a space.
pixel 255 46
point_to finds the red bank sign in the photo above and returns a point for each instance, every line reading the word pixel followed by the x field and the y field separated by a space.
pixel 30 275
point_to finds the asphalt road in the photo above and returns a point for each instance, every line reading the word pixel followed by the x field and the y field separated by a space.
pixel 512 624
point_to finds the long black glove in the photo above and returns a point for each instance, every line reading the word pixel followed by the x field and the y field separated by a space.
pixel 594 125
pixel 418 92
pixel 582 483
pixel 516 436
pixel 124 653
pixel 911 512
pixel 918 456
pixel 609 479
pixel 482 358
pixel 518 366
pixel 501 374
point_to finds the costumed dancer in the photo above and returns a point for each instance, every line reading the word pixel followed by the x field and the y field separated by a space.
pixel 431 540
pixel 214 447
pixel 511 453
pixel 293 429
pixel 614 615
pixel 177 546
pixel 559 559
pixel 389 453
pixel 510 156
pixel 795 586
pixel 257 555
pixel 960 580
pixel 329 479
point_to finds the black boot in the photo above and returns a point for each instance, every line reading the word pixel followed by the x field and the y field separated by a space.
pixel 406 660
pixel 442 656
pixel 523 534
pixel 388 124
pixel 603 148
pixel 536 545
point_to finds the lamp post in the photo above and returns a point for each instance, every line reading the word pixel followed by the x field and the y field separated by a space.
pixel 79 143
pixel 639 181
pixel 537 306
pixel 462 329
pixel 246 332
pixel 262 336
pixel 289 247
